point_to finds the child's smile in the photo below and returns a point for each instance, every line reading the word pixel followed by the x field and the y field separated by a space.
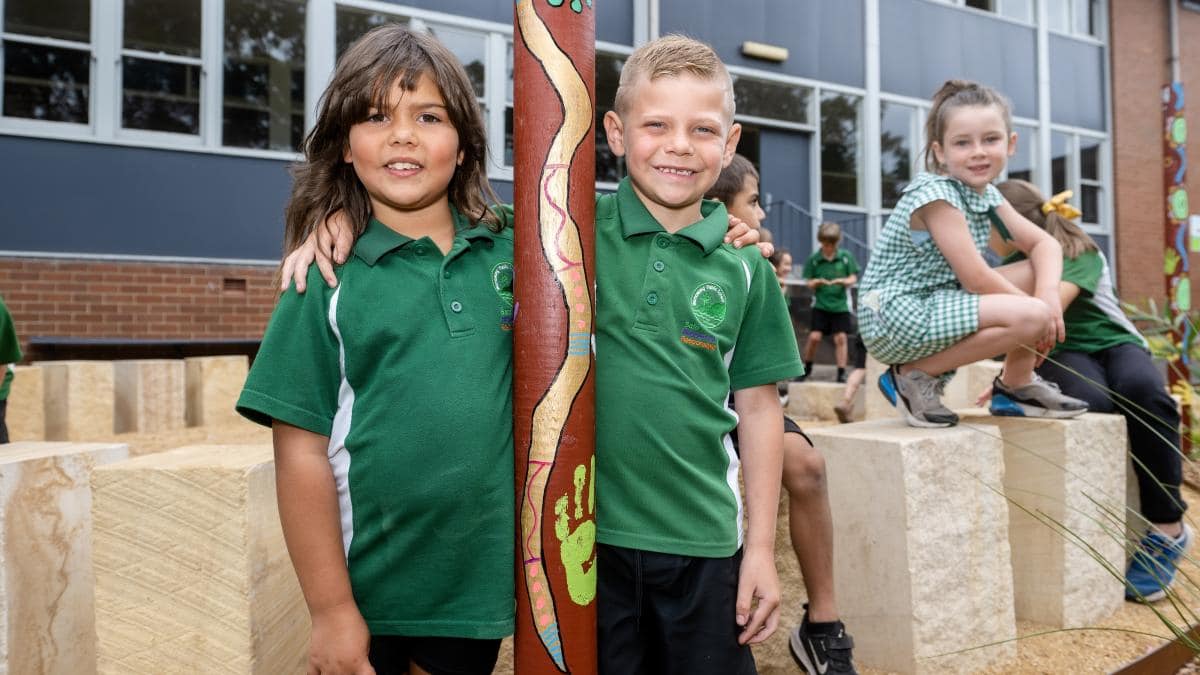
pixel 976 145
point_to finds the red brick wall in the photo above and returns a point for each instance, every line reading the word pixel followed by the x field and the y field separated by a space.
pixel 1140 53
pixel 71 298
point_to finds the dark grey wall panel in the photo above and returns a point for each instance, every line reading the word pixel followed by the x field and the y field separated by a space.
pixel 824 38
pixel 614 18
pixel 1077 83
pixel 923 44
pixel 63 197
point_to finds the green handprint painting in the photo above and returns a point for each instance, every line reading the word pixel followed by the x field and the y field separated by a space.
pixel 578 544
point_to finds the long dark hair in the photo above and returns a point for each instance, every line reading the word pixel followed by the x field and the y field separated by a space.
pixel 392 54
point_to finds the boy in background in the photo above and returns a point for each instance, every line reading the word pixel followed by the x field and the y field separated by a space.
pixel 830 271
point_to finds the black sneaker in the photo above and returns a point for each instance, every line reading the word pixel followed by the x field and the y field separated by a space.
pixel 822 653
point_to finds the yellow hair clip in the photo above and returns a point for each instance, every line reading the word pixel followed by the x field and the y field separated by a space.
pixel 1058 203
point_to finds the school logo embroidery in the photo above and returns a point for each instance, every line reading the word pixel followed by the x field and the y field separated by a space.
pixel 502 281
pixel 708 305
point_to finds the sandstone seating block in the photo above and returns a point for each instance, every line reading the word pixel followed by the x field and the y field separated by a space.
pixel 1070 472
pixel 213 386
pixel 26 416
pixel 875 406
pixel 815 400
pixel 46 578
pixel 79 399
pixel 192 574
pixel 149 395
pixel 920 544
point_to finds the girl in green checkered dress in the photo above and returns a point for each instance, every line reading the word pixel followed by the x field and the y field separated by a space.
pixel 929 303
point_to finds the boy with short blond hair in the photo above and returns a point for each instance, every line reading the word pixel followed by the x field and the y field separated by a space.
pixel 683 320
pixel 830 271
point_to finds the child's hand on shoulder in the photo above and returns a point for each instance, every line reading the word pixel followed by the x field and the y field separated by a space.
pixel 758 595
pixel 340 642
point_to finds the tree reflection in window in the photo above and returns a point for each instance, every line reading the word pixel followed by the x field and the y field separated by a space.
pixel 895 150
pixel 44 82
pixel 263 103
pixel 839 148
pixel 161 94
pixel 771 100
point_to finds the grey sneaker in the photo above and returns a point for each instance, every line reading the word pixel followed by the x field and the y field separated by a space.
pixel 1039 398
pixel 919 398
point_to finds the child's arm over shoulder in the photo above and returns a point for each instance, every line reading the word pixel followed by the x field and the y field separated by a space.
pixel 760 436
pixel 308 511
pixel 1044 253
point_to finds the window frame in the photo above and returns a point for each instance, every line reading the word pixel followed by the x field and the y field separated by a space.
pixel 200 138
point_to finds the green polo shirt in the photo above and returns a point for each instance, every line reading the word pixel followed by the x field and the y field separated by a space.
pixel 1094 319
pixel 682 321
pixel 407 367
pixel 10 350
pixel 830 297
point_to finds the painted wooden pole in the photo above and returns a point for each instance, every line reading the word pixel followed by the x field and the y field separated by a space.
pixel 1176 267
pixel 554 196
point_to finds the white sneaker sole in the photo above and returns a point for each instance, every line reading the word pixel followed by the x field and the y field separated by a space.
pixel 799 654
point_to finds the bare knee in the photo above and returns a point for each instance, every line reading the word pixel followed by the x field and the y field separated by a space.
pixel 839 339
pixel 803 468
pixel 815 336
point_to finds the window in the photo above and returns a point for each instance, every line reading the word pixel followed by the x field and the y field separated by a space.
pixel 1077 165
pixel 160 66
pixel 771 100
pixel 1090 185
pixel 1078 17
pixel 352 23
pixel 47 60
pixel 263 105
pixel 1021 10
pixel 840 147
pixel 896 149
pixel 609 167
pixel 1021 164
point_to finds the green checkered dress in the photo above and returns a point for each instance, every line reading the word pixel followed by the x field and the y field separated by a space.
pixel 910 302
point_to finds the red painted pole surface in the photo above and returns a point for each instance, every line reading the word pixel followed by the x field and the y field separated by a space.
pixel 554 197
pixel 1178 285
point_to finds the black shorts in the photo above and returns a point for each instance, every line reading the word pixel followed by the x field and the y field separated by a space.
pixel 830 322
pixel 663 614
pixel 858 352
pixel 789 427
pixel 391 654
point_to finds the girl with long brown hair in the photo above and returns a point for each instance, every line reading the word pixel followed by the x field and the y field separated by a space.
pixel 1104 361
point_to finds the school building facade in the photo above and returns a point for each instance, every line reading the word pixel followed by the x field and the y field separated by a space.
pixel 147 144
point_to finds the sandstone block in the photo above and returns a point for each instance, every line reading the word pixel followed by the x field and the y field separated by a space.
pixel 26 415
pixel 46 578
pixel 213 386
pixel 149 395
pixel 79 399
pixel 920 544
pixel 192 575
pixel 875 406
pixel 815 400
pixel 968 381
pixel 1070 472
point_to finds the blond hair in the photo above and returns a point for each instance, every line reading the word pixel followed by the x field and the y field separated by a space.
pixel 957 94
pixel 829 233
pixel 1027 200
pixel 672 56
